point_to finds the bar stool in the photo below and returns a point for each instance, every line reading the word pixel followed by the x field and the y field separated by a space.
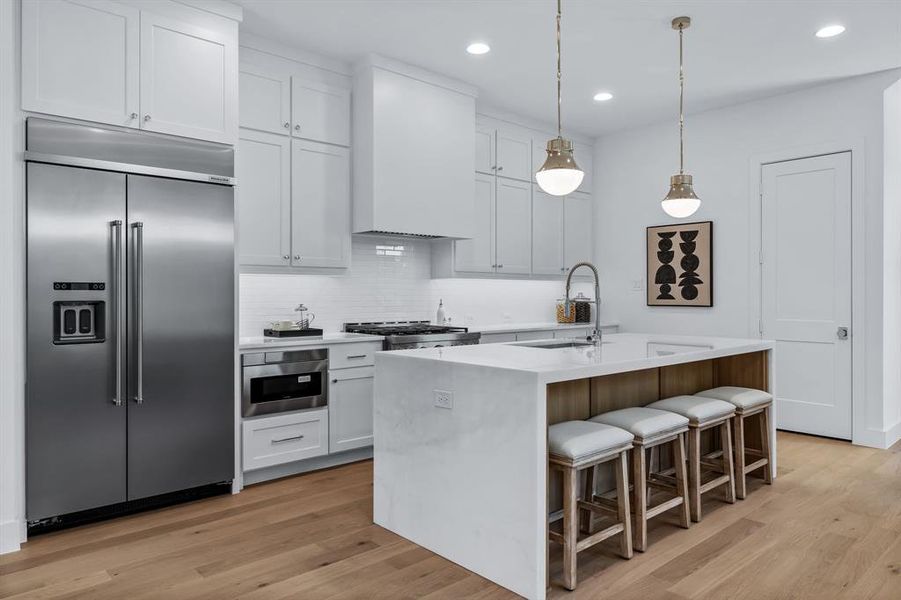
pixel 748 402
pixel 703 414
pixel 653 428
pixel 574 446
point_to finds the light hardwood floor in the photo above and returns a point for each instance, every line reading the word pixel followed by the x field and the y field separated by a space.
pixel 830 527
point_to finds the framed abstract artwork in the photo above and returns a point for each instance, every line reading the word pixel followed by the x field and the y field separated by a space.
pixel 680 264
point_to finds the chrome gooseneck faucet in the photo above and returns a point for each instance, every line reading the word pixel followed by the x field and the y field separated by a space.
pixel 596 334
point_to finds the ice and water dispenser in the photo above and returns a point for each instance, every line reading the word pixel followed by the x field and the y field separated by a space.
pixel 78 321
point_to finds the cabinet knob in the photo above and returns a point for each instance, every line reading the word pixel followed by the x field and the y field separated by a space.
pixel 297 257
pixel 146 118
pixel 287 125
pixel 334 381
pixel 500 266
pixel 494 168
pixel 133 116
pixel 297 128
pixel 286 257
pixel 500 168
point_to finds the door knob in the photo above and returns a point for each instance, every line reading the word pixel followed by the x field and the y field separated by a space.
pixel 842 333
pixel 287 125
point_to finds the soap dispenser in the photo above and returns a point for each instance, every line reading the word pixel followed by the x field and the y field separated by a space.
pixel 440 316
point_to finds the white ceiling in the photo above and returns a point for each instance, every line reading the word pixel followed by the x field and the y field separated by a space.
pixel 735 50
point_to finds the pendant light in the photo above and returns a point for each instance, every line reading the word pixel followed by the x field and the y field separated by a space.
pixel 559 175
pixel 681 201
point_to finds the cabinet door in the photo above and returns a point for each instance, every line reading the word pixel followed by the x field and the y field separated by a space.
pixel 80 60
pixel 265 101
pixel 476 255
pixel 264 198
pixel 485 156
pixel 578 243
pixel 189 80
pixel 320 112
pixel 320 205
pixel 514 226
pixel 350 398
pixel 547 233
pixel 514 154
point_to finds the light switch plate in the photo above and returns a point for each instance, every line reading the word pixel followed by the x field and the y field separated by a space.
pixel 444 399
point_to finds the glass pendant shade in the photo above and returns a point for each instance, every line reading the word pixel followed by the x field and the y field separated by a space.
pixel 559 175
pixel 681 201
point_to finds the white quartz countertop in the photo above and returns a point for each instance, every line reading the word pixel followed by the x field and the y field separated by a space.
pixel 619 353
pixel 540 326
pixel 263 343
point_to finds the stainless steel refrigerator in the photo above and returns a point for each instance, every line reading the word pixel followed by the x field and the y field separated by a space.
pixel 130 317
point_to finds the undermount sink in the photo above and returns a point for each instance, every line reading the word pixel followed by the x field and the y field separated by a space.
pixel 555 345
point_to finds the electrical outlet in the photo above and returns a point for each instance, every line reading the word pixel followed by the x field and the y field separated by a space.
pixel 444 399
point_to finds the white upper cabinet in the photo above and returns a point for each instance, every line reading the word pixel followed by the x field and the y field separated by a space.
pixel 547 233
pixel 514 227
pixel 265 101
pixel 189 80
pixel 263 165
pixel 485 139
pixel 110 62
pixel 476 255
pixel 320 205
pixel 320 112
pixel 578 242
pixel 514 154
pixel 80 59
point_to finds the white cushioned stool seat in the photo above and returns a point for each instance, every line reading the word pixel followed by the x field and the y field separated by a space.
pixel 644 423
pixel 580 439
pixel 741 397
pixel 698 409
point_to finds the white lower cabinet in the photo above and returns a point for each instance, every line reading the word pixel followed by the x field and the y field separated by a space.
pixel 350 408
pixel 270 441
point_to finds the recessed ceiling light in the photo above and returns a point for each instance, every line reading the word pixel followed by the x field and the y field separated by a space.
pixel 478 48
pixel 603 96
pixel 830 31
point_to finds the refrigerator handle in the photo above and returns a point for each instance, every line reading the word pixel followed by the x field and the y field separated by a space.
pixel 138 228
pixel 116 295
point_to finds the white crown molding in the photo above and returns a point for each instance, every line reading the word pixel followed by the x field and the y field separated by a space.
pixel 259 44
pixel 217 7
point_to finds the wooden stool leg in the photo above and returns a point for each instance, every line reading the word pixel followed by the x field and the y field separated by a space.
pixel 765 445
pixel 694 473
pixel 622 504
pixel 728 464
pixel 570 526
pixel 681 479
pixel 740 482
pixel 588 516
pixel 640 483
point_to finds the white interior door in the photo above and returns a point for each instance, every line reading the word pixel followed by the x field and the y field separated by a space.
pixel 806 290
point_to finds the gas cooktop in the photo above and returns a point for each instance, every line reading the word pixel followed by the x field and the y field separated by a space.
pixel 402 335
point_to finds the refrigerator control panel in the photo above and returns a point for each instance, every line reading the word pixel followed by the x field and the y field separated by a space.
pixel 79 285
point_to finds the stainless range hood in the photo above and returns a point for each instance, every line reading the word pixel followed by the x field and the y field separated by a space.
pixel 414 152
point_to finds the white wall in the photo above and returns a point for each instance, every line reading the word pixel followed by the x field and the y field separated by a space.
pixel 12 296
pixel 632 170
pixel 389 280
pixel 891 342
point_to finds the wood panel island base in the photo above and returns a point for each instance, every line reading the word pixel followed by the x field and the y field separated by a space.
pixel 461 434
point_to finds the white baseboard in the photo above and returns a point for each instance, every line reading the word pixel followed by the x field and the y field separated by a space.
pixel 12 534
pixel 892 435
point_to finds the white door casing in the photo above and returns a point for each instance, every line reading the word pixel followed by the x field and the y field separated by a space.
pixel 806 289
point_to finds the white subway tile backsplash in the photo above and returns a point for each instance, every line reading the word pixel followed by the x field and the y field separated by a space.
pixel 389 280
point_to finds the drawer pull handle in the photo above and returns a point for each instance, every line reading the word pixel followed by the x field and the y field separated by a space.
pixel 287 439
pixel 356 356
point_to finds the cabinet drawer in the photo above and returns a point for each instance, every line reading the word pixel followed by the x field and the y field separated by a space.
pixel 285 438
pixel 362 354
pixel 497 338
pixel 523 336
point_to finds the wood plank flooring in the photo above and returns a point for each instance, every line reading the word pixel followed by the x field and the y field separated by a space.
pixel 830 527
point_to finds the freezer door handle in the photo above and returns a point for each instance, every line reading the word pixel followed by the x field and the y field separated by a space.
pixel 138 228
pixel 116 295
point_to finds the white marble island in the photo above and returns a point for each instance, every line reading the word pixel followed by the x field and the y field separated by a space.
pixel 460 433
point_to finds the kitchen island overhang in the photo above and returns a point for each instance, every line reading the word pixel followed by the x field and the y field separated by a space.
pixel 461 434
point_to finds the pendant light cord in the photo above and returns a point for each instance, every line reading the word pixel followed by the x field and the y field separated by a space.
pixel 559 74
pixel 681 114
